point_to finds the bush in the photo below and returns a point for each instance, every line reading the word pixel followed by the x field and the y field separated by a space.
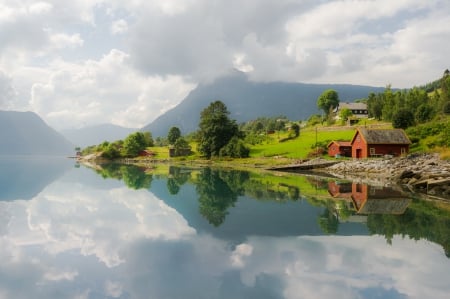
pixel 235 149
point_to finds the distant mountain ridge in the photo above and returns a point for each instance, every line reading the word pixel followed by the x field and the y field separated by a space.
pixel 25 133
pixel 94 135
pixel 247 100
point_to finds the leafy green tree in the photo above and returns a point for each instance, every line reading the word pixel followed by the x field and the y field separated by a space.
pixel 134 143
pixel 445 92
pixel 181 146
pixel 296 129
pixel 375 105
pixel 389 104
pixel 403 119
pixel 327 100
pixel 111 151
pixel 173 135
pixel 345 114
pixel 148 139
pixel 216 129
pixel 235 148
pixel 424 113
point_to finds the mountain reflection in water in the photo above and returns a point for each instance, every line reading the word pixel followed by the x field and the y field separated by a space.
pixel 173 232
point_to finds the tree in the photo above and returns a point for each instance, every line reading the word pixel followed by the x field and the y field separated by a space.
pixel 375 105
pixel 181 147
pixel 403 119
pixel 148 138
pixel 173 135
pixel 424 113
pixel 345 113
pixel 327 100
pixel 216 129
pixel 235 148
pixel 296 129
pixel 134 143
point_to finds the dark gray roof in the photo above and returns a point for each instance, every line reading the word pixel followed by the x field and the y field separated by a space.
pixel 384 136
pixel 353 106
pixel 385 206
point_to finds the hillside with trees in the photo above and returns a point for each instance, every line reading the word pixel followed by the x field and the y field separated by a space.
pixel 247 100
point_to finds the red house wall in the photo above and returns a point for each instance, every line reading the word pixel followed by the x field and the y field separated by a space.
pixel 359 147
pixel 362 150
pixel 333 149
pixel 359 194
pixel 389 149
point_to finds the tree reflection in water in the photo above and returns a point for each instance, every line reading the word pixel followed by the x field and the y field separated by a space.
pixel 218 190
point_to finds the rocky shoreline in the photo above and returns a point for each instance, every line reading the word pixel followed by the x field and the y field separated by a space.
pixel 424 173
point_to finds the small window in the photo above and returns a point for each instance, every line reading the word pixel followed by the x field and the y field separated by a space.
pixel 372 151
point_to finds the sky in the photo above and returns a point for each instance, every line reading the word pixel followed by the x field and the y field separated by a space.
pixel 86 62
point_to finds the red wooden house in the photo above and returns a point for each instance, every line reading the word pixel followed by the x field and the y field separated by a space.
pixel 379 142
pixel 340 148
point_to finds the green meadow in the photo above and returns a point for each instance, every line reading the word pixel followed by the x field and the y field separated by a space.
pixel 300 147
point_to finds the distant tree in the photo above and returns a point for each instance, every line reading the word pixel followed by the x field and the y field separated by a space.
pixel 445 92
pixel 134 143
pixel 314 119
pixel 345 113
pixel 424 113
pixel 173 135
pixel 327 100
pixel 148 138
pixel 296 129
pixel 216 129
pixel 403 119
pixel 235 148
pixel 111 151
pixel 181 146
pixel 259 126
pixel 389 104
pixel 375 106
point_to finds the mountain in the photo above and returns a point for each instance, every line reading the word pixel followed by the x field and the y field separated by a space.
pixel 94 135
pixel 247 100
pixel 25 133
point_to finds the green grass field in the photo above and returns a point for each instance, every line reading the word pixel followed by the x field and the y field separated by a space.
pixel 300 147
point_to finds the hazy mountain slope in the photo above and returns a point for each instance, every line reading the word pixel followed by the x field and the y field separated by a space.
pixel 248 100
pixel 96 134
pixel 25 133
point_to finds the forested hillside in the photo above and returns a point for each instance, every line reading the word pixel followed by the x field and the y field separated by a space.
pixel 248 100
pixel 413 106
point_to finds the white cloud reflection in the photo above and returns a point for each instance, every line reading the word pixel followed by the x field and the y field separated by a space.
pixel 81 242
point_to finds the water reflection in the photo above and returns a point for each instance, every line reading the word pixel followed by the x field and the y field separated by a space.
pixel 366 199
pixel 22 177
pixel 129 235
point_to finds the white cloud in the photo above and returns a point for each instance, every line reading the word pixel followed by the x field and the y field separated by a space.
pixel 166 47
pixel 7 92
pixel 61 40
pixel 104 91
pixel 119 27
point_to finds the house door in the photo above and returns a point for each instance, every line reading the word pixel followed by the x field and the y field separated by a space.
pixel 358 153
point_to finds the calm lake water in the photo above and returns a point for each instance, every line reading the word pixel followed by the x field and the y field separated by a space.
pixel 68 231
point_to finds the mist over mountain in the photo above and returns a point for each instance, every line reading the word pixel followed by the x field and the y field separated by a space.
pixel 94 135
pixel 25 133
pixel 247 100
